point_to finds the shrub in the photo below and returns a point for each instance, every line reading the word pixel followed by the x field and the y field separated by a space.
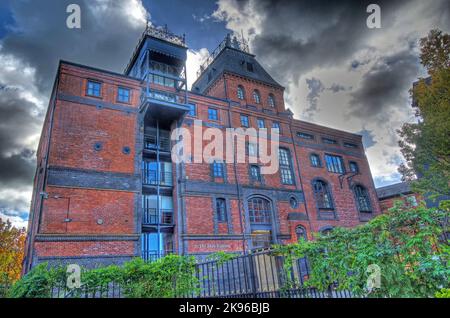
pixel 406 244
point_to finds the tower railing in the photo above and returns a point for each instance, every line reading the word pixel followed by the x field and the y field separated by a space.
pixel 231 42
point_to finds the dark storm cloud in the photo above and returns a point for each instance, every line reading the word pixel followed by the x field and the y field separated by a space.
pixel 336 88
pixel 315 87
pixel 106 39
pixel 298 36
pixel 29 55
pixel 19 119
pixel 384 86
pixel 368 138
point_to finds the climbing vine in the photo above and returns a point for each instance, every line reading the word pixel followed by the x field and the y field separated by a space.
pixel 407 244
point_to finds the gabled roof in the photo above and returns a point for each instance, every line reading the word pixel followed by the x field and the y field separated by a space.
pixel 233 61
pixel 393 190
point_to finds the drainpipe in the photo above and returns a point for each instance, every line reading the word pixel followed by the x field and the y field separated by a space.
pixel 299 174
pixel 234 169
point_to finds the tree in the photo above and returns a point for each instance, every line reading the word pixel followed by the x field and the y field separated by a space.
pixel 425 145
pixel 12 244
pixel 408 245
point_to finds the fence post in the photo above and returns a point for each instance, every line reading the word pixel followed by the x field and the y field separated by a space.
pixel 330 291
pixel 252 274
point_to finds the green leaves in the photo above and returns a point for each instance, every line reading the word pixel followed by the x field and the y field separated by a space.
pixel 404 243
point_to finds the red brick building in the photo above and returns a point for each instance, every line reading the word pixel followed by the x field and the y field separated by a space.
pixel 387 196
pixel 106 188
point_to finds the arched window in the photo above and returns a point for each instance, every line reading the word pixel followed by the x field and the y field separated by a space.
pixel 322 195
pixel 362 199
pixel 240 92
pixel 293 202
pixel 260 215
pixel 271 100
pixel 300 231
pixel 315 160
pixel 259 210
pixel 256 96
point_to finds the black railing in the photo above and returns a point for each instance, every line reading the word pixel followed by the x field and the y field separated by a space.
pixel 151 144
pixel 150 216
pixel 153 255
pixel 260 274
pixel 149 177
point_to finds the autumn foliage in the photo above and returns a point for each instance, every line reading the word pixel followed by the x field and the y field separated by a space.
pixel 12 243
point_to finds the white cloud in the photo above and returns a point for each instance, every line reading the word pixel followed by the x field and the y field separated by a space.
pixel 193 62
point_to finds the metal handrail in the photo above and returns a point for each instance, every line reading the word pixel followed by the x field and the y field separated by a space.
pixel 150 216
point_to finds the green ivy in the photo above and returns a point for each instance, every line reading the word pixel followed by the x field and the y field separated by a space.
pixel 405 243
pixel 170 276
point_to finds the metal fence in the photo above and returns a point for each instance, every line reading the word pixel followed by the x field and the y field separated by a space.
pixel 259 274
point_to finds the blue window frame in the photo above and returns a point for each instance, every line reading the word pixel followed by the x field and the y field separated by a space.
pixel 261 123
pixel 221 210
pixel 315 160
pixel 244 121
pixel 362 199
pixel 192 110
pixel 350 145
pixel 329 141
pixel 240 92
pixel 276 125
pixel 212 114
pixel 305 135
pixel 123 95
pixel 271 100
pixel 353 166
pixel 334 164
pixel 284 159
pixel 322 194
pixel 217 169
pixel 256 96
pixel 255 173
pixel 93 88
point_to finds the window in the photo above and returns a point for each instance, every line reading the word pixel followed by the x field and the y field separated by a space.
pixel 353 167
pixel 315 160
pixel 334 164
pixel 94 88
pixel 212 114
pixel 304 135
pixel 252 149
pixel 217 169
pixel 192 110
pixel 123 95
pixel 322 195
pixel 249 67
pixel 276 125
pixel 362 199
pixel 329 141
pixel 244 121
pixel 350 145
pixel 255 173
pixel 256 96
pixel 293 202
pixel 240 92
pixel 221 210
pixel 261 123
pixel 300 231
pixel 285 166
pixel 271 100
pixel 259 210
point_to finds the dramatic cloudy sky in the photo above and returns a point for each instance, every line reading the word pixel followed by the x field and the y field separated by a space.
pixel 337 72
